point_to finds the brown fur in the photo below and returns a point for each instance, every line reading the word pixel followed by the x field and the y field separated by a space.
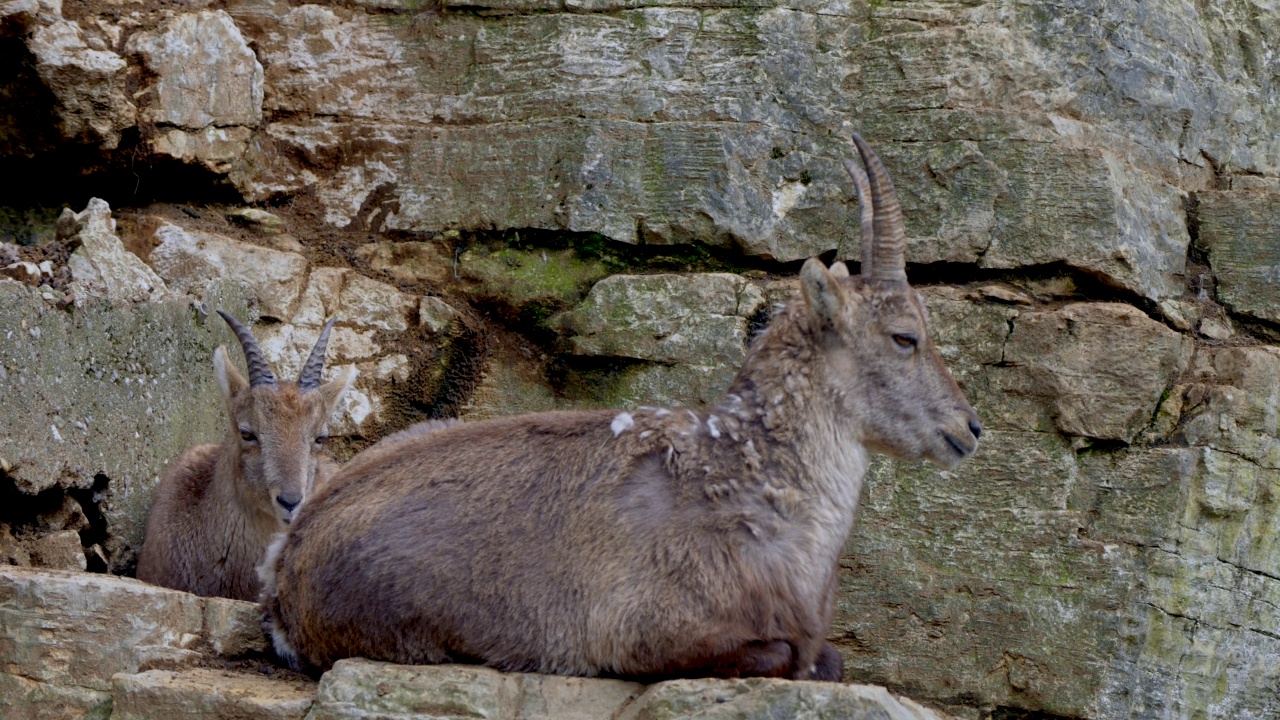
pixel 681 543
pixel 218 506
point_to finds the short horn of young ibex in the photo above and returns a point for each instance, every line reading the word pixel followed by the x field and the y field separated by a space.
pixel 218 506
pixel 645 544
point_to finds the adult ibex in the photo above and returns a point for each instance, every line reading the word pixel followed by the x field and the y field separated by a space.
pixel 644 544
pixel 218 506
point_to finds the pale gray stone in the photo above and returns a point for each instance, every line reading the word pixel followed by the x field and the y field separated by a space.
pixel 59 550
pixel 365 689
pixel 28 699
pixel 88 84
pixel 205 74
pixel 759 698
pixel 234 627
pixel 1095 370
pixel 435 315
pixel 191 261
pixel 208 693
pixel 698 319
pixel 125 387
pixel 101 266
pixel 78 629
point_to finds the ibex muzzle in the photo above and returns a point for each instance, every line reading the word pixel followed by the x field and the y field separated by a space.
pixel 649 543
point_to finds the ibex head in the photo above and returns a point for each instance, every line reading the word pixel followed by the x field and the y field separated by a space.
pixel 281 426
pixel 874 336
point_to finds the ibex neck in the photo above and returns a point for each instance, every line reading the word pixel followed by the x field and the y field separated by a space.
pixel 781 401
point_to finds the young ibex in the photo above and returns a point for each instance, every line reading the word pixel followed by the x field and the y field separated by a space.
pixel 218 506
pixel 645 544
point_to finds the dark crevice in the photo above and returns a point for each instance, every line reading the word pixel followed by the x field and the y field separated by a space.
pixel 126 178
pixel 96 532
pixel 1007 712
pixel 1083 284
pixel 21 511
pixel 620 257
pixel 1102 447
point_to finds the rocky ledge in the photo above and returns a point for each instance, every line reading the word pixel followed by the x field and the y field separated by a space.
pixel 83 645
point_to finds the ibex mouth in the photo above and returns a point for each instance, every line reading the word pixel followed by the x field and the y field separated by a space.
pixel 963 449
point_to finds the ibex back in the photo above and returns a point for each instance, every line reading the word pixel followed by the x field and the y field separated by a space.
pixel 218 506
pixel 645 544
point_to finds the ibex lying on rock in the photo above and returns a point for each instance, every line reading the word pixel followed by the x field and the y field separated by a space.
pixel 645 544
pixel 218 506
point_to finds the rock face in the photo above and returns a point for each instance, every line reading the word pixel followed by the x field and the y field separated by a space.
pixel 520 205
pixel 107 396
pixel 1240 231
pixel 689 331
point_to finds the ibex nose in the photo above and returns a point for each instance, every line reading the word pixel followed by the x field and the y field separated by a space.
pixel 288 505
pixel 975 427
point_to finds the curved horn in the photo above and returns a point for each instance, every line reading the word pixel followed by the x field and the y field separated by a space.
pixel 891 236
pixel 309 379
pixel 868 214
pixel 259 371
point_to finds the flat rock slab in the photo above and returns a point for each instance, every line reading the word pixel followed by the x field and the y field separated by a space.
pixel 770 698
pixel 79 629
pixel 366 689
pixel 694 319
pixel 21 697
pixel 208 694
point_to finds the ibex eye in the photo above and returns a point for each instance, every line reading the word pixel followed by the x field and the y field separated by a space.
pixel 322 439
pixel 905 341
pixel 247 436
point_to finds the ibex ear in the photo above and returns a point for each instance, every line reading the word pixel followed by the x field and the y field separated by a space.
pixel 822 293
pixel 230 381
pixel 332 391
pixel 839 270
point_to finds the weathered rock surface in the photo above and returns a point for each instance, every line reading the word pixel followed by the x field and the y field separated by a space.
pixel 107 392
pixel 1111 551
pixel 690 331
pixel 89 83
pixel 207 89
pixel 666 318
pixel 207 693
pixel 756 698
pixel 363 689
pixel 190 261
pixel 82 645
pixel 101 266
pixel 79 629
pixel 1240 230
pixel 24 698
pixel 1070 360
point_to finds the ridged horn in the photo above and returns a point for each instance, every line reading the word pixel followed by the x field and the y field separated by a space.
pixel 309 379
pixel 259 371
pixel 863 187
pixel 891 237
